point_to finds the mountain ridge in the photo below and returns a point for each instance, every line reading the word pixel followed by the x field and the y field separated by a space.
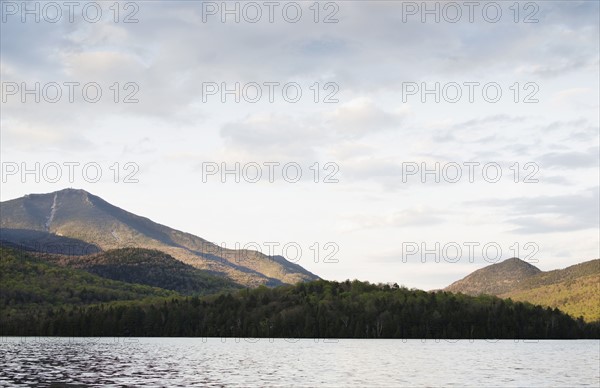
pixel 80 215
pixel 574 289
pixel 494 279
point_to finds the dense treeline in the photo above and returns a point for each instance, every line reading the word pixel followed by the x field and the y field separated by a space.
pixel 26 280
pixel 319 309
pixel 41 298
pixel 30 286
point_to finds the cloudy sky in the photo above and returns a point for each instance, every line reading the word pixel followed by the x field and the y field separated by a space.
pixel 376 136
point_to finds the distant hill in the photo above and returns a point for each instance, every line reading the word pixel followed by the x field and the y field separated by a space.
pixel 149 267
pixel 495 279
pixel 30 284
pixel 574 290
pixel 81 216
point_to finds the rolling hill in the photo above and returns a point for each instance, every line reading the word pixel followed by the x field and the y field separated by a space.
pixel 31 283
pixel 85 218
pixel 149 267
pixel 574 290
pixel 495 279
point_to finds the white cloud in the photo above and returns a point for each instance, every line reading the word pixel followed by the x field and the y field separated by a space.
pixel 361 117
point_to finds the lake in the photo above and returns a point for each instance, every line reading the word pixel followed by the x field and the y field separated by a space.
pixel 215 362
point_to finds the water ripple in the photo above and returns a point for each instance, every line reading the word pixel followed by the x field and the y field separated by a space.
pixel 185 362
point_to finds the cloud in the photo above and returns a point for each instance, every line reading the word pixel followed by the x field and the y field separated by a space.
pixel 580 98
pixel 561 125
pixel 550 214
pixel 571 160
pixel 560 67
pixel 499 119
pixel 275 134
pixel 557 180
pixel 362 117
pixel 268 136
pixel 33 137
pixel 417 216
pixel 471 131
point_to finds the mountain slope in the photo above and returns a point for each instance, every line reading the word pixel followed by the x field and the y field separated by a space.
pixel 574 290
pixel 495 279
pixel 34 290
pixel 44 242
pixel 77 214
pixel 28 282
pixel 148 267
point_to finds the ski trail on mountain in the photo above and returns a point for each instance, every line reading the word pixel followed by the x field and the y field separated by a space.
pixel 52 213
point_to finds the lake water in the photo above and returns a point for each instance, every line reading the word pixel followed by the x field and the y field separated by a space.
pixel 214 362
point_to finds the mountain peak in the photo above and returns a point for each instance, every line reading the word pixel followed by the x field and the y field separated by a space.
pixel 79 215
pixel 70 194
pixel 515 262
pixel 71 190
pixel 68 190
pixel 496 278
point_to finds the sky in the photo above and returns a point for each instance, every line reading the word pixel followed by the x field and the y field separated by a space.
pixel 386 141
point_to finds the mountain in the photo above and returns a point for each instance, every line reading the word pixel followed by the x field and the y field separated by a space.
pixel 81 216
pixel 149 267
pixel 495 279
pixel 574 290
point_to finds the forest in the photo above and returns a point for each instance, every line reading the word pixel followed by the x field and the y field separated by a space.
pixel 318 309
pixel 40 298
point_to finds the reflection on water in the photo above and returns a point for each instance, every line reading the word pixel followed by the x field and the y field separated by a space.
pixel 213 362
